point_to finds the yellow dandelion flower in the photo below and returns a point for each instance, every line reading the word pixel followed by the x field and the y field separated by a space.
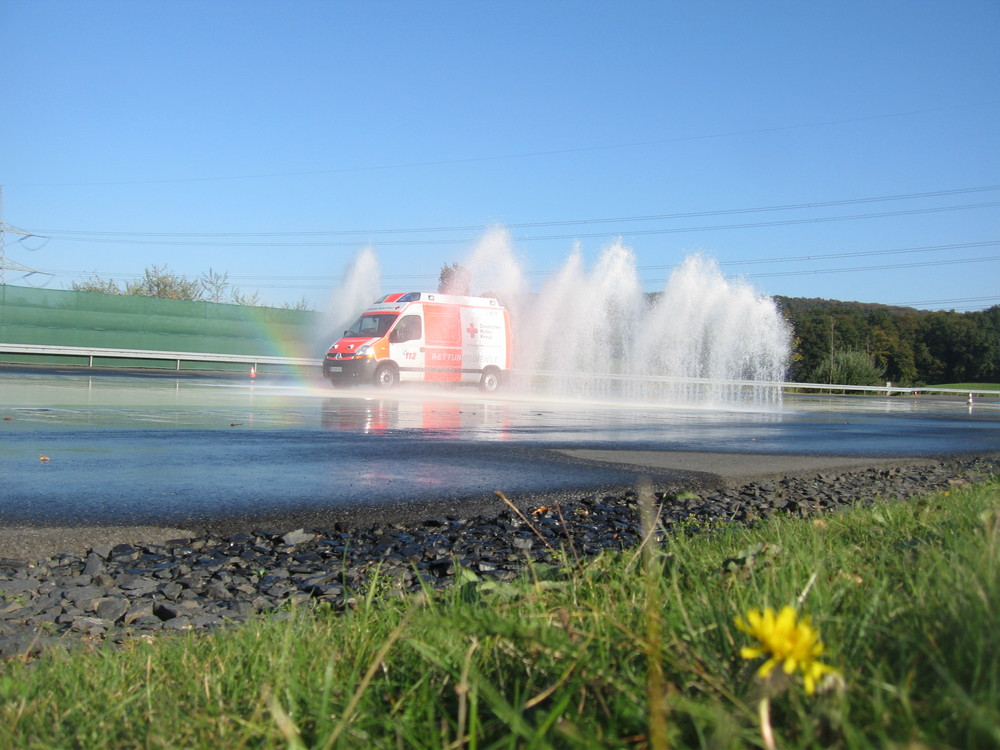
pixel 785 640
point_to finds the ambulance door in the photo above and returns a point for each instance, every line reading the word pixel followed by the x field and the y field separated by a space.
pixel 443 343
pixel 406 345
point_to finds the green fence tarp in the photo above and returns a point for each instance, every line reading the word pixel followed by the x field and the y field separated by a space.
pixel 89 319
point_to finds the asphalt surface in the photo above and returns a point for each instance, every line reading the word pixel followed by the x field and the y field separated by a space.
pixel 674 470
pixel 106 459
pixel 734 469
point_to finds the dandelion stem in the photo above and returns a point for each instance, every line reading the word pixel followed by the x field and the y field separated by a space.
pixel 766 733
pixel 656 691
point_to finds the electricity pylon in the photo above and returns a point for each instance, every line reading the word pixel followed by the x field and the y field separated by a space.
pixel 5 263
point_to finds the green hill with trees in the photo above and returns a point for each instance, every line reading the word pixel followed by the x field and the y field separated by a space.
pixel 870 344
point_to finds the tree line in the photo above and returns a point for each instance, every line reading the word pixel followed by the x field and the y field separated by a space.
pixel 854 343
pixel 158 281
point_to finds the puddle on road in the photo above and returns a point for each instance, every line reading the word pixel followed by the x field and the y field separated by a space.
pixel 158 450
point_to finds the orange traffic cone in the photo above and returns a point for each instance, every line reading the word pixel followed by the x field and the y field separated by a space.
pixel 253 371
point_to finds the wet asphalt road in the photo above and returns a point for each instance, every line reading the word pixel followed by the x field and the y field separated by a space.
pixel 116 449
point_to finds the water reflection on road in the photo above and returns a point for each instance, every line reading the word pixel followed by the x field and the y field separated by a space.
pixel 169 450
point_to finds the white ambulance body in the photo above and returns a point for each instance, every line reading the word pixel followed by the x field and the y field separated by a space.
pixel 424 337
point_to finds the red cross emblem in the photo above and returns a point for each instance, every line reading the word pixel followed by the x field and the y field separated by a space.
pixel 472 330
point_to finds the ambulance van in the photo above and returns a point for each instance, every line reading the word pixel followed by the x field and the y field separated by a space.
pixel 424 337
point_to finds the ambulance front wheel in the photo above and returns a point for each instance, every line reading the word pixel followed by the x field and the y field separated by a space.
pixel 490 380
pixel 386 376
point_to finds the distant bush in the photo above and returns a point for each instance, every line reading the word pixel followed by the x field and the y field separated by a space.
pixel 850 368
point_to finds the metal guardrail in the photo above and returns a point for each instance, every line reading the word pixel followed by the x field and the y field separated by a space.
pixel 92 351
pixel 761 384
pixel 890 389
pixel 250 359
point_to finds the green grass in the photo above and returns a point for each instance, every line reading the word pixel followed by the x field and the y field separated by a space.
pixel 624 650
pixel 970 386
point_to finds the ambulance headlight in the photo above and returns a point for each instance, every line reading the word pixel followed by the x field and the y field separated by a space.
pixel 365 351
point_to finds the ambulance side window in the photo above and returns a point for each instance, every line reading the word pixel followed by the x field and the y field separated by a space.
pixel 408 329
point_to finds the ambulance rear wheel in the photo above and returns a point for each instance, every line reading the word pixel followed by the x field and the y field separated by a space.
pixel 386 376
pixel 490 380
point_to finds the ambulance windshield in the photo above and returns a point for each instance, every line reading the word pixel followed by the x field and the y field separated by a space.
pixel 373 324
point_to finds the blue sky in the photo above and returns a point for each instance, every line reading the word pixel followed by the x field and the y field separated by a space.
pixel 274 141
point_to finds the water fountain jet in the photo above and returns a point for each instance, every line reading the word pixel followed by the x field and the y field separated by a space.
pixel 595 335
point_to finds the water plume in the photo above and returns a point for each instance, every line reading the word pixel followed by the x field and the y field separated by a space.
pixel 711 338
pixel 359 287
pixel 596 335
pixel 494 269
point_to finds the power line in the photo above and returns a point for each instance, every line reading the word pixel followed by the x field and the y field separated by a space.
pixel 236 239
pixel 827 256
pixel 539 224
pixel 857 269
pixel 945 301
pixel 886 267
pixel 805 272
pixel 112 240
pixel 643 268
